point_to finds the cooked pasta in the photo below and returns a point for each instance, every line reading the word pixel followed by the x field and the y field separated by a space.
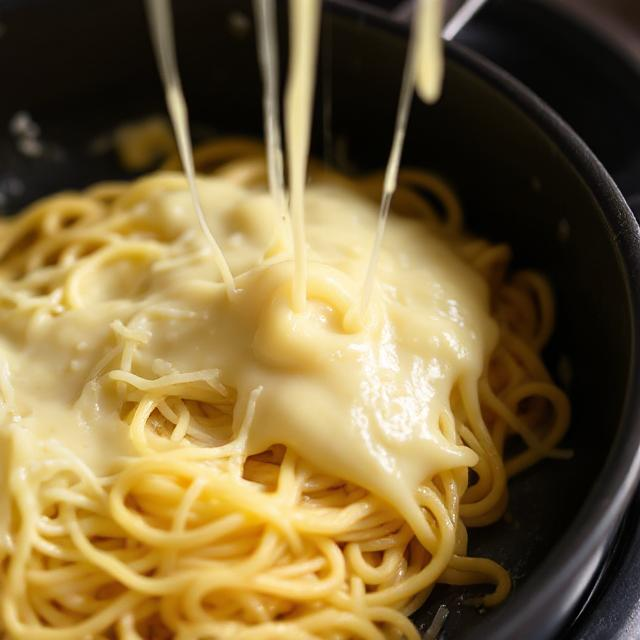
pixel 175 462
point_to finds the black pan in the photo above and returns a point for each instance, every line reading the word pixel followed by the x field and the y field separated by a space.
pixel 81 67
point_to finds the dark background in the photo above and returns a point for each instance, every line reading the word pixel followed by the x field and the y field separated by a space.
pixel 621 18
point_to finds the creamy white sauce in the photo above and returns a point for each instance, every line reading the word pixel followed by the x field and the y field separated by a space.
pixel 365 405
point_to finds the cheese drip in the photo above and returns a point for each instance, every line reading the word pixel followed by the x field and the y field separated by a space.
pixel 430 54
pixel 304 30
pixel 161 26
pixel 423 70
pixel 177 461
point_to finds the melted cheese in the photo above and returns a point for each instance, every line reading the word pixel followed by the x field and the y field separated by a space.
pixel 430 54
pixel 267 43
pixel 423 70
pixel 161 23
pixel 365 405
pixel 305 26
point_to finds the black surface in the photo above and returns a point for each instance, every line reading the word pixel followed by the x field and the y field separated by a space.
pixel 613 612
pixel 80 68
pixel 583 77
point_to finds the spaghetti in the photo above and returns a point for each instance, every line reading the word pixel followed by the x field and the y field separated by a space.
pixel 178 463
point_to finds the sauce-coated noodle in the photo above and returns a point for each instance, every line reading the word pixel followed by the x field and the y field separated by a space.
pixel 177 463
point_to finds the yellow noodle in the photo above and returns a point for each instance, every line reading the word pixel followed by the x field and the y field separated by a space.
pixel 140 495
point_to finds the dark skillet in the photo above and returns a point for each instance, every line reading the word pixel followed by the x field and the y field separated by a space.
pixel 524 176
